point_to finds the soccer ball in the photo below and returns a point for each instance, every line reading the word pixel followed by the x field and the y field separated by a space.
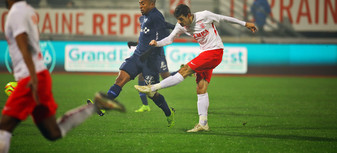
pixel 10 87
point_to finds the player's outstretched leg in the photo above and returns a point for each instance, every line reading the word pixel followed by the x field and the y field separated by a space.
pixel 167 82
pixel 145 89
pixel 76 116
pixel 102 101
pixel 114 91
pixel 100 112
pixel 112 94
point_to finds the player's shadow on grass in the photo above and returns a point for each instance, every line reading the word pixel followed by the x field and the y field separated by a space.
pixel 273 136
pixel 239 114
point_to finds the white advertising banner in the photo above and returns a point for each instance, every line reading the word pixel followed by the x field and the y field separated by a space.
pixel 108 58
pixel 95 58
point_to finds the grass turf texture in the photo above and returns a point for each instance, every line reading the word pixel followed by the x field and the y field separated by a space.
pixel 282 114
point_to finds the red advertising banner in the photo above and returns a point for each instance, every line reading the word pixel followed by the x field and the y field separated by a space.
pixel 85 21
pixel 303 15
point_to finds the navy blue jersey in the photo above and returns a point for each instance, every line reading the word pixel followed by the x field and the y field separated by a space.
pixel 170 26
pixel 153 27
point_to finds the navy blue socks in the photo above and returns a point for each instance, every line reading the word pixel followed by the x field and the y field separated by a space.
pixel 143 96
pixel 159 100
pixel 114 91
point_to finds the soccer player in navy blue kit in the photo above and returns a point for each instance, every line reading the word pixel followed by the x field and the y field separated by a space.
pixel 153 26
pixel 164 73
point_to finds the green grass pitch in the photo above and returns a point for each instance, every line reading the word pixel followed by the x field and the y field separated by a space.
pixel 282 114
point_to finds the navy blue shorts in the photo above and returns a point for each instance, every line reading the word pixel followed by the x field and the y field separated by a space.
pixel 149 68
pixel 162 64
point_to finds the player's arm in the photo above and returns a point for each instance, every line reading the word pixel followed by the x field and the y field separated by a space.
pixel 249 25
pixel 132 43
pixel 218 17
pixel 169 39
pixel 22 42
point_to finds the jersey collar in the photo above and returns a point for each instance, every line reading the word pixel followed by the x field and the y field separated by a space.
pixel 154 9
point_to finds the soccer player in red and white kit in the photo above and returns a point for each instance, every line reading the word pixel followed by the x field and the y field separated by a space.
pixel 33 95
pixel 199 25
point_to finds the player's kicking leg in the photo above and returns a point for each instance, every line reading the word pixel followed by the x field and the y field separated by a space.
pixel 100 112
pixel 78 115
pixel 102 101
pixel 167 82
pixel 122 78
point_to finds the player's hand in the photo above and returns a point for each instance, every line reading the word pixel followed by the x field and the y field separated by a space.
pixel 251 26
pixel 132 43
pixel 153 43
pixel 32 84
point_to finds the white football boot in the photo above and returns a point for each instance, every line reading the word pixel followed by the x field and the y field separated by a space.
pixel 145 89
pixel 199 127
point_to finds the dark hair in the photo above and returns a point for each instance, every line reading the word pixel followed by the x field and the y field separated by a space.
pixel 181 9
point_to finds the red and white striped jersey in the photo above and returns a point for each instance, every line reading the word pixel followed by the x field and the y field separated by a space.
pixel 202 29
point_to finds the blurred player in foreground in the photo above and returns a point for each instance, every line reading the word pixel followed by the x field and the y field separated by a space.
pixel 199 25
pixel 153 26
pixel 33 95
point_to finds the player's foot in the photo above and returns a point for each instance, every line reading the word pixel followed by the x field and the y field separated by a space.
pixel 170 119
pixel 199 127
pixel 100 112
pixel 103 102
pixel 145 89
pixel 144 108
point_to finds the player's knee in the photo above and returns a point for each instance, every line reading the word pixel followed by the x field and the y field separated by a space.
pixel 201 91
pixel 186 71
pixel 140 77
pixel 53 136
pixel 122 78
